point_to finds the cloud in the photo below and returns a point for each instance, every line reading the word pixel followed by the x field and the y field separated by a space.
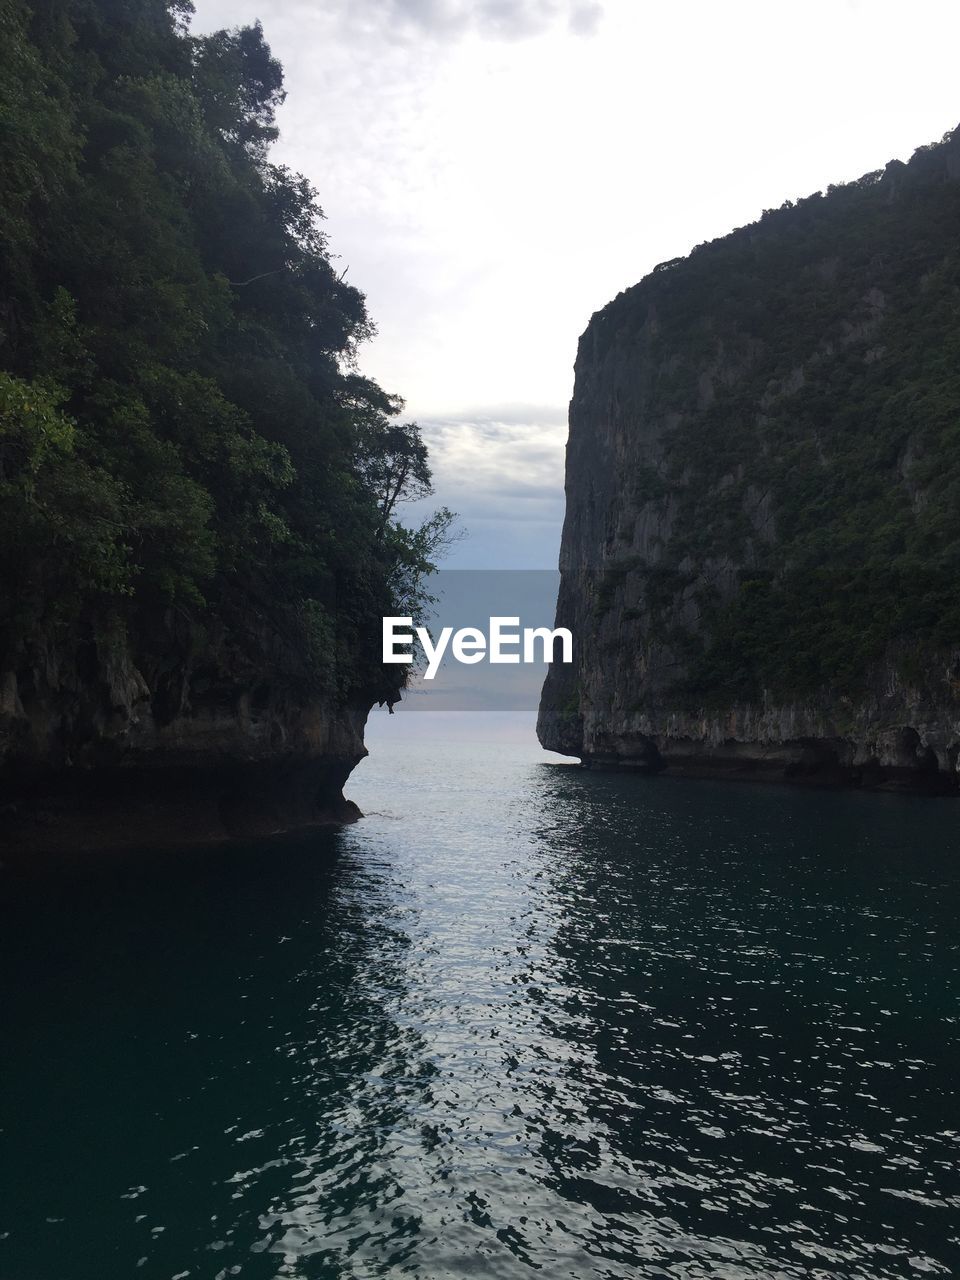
pixel 487 458
pixel 497 417
pixel 501 470
pixel 585 19
pixel 499 19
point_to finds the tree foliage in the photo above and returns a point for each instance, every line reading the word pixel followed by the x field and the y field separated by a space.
pixel 188 456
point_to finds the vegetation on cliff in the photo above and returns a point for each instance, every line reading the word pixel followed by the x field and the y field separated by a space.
pixel 192 469
pixel 802 379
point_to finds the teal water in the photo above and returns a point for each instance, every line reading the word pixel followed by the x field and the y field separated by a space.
pixel 521 1018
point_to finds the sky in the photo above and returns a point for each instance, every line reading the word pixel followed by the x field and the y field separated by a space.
pixel 494 171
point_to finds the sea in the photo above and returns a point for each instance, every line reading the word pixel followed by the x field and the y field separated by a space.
pixel 522 1018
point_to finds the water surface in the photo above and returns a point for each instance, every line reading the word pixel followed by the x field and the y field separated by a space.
pixel 521 1018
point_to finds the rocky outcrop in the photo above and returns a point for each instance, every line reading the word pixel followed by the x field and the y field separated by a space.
pixel 757 560
pixel 92 756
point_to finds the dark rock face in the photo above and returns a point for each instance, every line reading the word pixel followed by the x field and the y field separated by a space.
pixel 761 509
pixel 91 758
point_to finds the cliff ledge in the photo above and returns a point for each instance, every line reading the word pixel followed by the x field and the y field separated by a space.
pixel 91 757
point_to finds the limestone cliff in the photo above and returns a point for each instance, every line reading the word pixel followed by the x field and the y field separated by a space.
pixel 199 489
pixel 762 539
pixel 96 751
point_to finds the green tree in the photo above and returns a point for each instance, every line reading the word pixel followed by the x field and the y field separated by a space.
pixel 213 482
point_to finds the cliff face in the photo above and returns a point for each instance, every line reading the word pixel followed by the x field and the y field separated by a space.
pixel 198 488
pixel 94 753
pixel 760 552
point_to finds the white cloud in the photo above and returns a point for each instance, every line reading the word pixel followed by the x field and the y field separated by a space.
pixel 450 19
pixel 503 475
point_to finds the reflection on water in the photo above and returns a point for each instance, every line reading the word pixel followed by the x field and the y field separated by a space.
pixel 520 1018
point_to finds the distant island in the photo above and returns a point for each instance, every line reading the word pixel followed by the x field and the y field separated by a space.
pixel 761 552
pixel 198 488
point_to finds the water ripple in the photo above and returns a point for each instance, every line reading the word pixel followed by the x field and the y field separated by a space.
pixel 520 1019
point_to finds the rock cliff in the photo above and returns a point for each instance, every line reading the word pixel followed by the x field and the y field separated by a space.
pixel 761 547
pixel 199 489
pixel 95 752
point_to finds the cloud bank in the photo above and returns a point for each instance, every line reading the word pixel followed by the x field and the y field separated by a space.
pixel 502 472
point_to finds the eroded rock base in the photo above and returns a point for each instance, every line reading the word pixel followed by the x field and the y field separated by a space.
pixel 147 808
